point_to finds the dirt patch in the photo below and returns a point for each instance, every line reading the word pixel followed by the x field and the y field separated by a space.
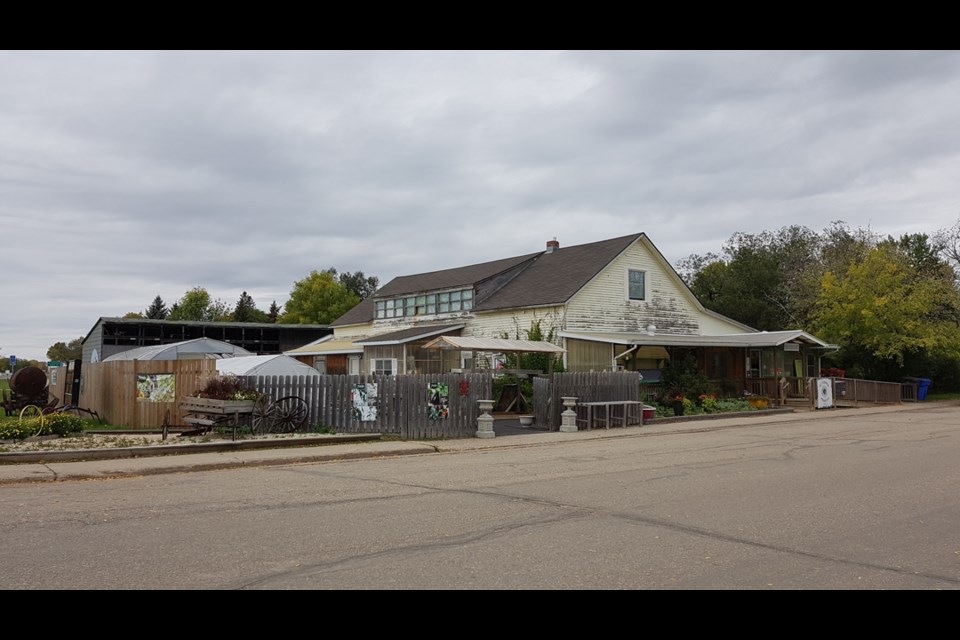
pixel 102 441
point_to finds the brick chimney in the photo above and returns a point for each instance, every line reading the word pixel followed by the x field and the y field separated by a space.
pixel 552 245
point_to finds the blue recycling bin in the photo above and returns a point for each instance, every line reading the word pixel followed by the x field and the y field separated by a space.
pixel 922 387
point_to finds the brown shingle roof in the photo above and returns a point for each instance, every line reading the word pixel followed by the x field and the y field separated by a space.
pixel 449 278
pixel 551 278
pixel 554 277
pixel 361 313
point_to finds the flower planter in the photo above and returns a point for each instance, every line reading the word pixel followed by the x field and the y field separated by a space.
pixel 526 421
pixel 212 405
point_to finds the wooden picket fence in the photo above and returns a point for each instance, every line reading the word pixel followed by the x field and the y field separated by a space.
pixel 403 406
pixel 403 402
pixel 586 387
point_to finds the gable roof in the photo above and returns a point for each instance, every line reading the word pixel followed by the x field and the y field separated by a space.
pixel 550 277
pixel 555 276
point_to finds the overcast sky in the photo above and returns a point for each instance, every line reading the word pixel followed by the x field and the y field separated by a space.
pixel 129 175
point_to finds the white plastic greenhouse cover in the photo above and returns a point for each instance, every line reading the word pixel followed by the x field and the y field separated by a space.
pixel 198 348
pixel 276 365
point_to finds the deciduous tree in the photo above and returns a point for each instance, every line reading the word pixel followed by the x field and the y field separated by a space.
pixel 317 299
pixel 65 352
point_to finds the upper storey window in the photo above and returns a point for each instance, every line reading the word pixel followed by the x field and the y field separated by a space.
pixel 425 305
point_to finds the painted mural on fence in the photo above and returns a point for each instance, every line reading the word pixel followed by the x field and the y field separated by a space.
pixel 157 387
pixel 363 397
pixel 438 399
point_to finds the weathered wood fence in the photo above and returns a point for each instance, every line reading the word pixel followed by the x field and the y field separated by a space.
pixel 855 391
pixel 586 387
pixel 110 389
pixel 402 402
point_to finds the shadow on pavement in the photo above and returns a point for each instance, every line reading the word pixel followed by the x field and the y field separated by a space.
pixel 511 427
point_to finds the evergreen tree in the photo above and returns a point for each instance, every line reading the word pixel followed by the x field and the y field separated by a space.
pixel 246 310
pixel 157 310
pixel 274 312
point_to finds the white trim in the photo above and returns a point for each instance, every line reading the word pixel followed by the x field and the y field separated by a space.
pixel 753 339
pixel 393 365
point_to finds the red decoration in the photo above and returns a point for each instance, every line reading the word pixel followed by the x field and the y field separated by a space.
pixel 464 388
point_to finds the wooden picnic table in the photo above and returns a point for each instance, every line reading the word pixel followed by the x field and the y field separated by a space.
pixel 615 412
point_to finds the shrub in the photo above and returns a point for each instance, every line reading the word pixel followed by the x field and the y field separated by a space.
pixel 17 430
pixel 708 402
pixel 60 424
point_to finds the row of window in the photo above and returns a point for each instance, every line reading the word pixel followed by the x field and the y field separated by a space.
pixel 427 304
pixel 462 300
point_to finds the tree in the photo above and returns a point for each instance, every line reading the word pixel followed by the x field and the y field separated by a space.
pixel 361 286
pixel 157 310
pixel 66 352
pixel 246 310
pixel 197 305
pixel 889 311
pixel 771 280
pixel 274 314
pixel 317 299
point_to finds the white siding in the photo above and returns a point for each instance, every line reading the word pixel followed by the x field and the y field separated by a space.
pixel 714 326
pixel 515 322
pixel 354 331
pixel 603 305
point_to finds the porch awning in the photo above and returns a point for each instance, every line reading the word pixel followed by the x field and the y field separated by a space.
pixel 328 347
pixel 408 335
pixel 499 345
pixel 755 340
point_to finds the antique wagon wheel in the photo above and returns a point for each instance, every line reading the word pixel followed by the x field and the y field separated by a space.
pixel 291 414
pixel 264 415
pixel 32 411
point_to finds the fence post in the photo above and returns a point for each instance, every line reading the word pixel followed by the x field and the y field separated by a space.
pixel 485 420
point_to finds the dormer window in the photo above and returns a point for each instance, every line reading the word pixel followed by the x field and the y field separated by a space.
pixel 427 304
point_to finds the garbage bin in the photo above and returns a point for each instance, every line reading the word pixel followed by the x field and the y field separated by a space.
pixel 922 387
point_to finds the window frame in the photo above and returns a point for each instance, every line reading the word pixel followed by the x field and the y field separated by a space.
pixel 393 366
pixel 629 283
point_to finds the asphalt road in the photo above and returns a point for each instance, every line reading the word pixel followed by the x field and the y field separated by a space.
pixel 855 502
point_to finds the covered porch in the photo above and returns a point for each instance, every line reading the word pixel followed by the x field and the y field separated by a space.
pixel 775 364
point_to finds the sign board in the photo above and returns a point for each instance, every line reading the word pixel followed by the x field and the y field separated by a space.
pixel 824 393
pixel 54 363
pixel 791 346
pixel 13 361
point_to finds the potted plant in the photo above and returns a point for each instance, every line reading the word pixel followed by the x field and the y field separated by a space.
pixel 225 393
pixel 676 402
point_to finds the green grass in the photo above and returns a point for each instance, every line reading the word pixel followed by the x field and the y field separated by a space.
pixel 4 383
pixel 953 395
